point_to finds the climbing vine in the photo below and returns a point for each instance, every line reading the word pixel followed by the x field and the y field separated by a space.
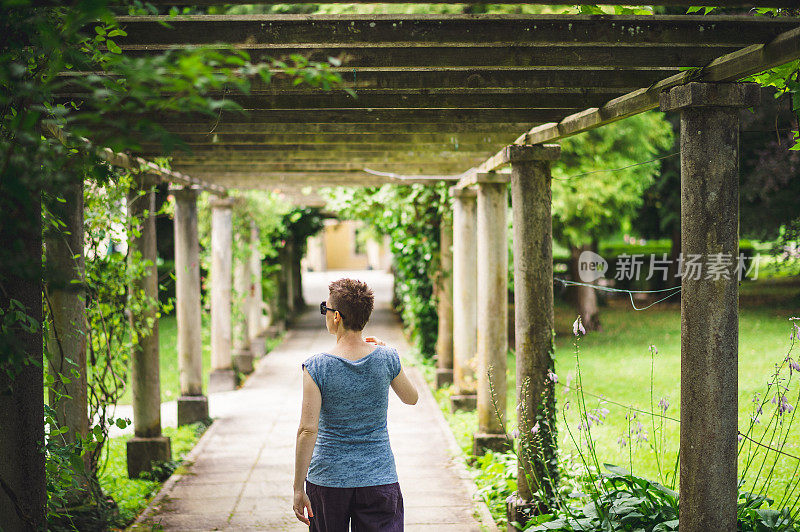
pixel 411 216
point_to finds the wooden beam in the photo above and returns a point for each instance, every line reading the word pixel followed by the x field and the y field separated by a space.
pixel 440 168
pixel 389 159
pixel 156 149
pixel 380 128
pixel 730 67
pixel 437 29
pixel 138 164
pixel 418 98
pixel 365 116
pixel 318 179
pixel 453 139
pixel 384 78
pixel 511 55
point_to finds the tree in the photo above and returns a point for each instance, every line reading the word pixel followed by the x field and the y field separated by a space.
pixel 62 77
pixel 597 185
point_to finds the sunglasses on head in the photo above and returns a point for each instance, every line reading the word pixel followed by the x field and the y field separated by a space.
pixel 323 308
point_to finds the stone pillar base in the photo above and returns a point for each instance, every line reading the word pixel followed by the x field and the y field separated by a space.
pixel 243 361
pixel 258 347
pixel 483 441
pixel 192 408
pixel 463 402
pixel 520 511
pixel 444 377
pixel 221 380
pixel 142 452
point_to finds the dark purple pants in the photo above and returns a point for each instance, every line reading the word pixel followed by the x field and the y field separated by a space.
pixel 370 508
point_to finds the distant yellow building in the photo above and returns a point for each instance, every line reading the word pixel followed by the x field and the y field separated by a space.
pixel 346 245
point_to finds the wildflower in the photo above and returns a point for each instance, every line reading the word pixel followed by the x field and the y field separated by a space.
pixel 510 499
pixel 622 441
pixel 535 428
pixel 653 349
pixel 515 433
pixel 740 437
pixel 663 404
pixel 784 406
pixel 578 327
pixel 793 365
pixel 552 376
pixel 566 405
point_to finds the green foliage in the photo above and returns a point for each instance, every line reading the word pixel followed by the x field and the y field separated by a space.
pixel 591 201
pixel 410 215
pixel 133 495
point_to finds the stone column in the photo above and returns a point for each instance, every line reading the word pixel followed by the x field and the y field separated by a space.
pixel 242 356
pixel 709 303
pixel 192 404
pixel 222 377
pixel 287 269
pixel 531 201
pixel 297 275
pixel 255 323
pixel 465 292
pixel 66 301
pixel 148 444
pixel 444 288
pixel 21 385
pixel 492 303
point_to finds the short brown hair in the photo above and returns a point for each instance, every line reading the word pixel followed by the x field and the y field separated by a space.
pixel 354 300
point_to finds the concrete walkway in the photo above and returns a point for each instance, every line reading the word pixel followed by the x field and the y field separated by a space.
pixel 240 474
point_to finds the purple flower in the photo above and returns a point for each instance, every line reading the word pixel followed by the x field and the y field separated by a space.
pixel 510 499
pixel 552 376
pixel 535 428
pixel 515 433
pixel 784 406
pixel 663 404
pixel 622 441
pixel 653 349
pixel 578 327
pixel 740 437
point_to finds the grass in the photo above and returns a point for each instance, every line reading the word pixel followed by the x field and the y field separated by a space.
pixel 168 357
pixel 133 495
pixel 616 364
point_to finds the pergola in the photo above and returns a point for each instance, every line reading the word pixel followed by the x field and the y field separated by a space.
pixel 460 98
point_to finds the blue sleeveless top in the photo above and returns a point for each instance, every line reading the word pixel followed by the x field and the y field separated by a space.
pixel 352 448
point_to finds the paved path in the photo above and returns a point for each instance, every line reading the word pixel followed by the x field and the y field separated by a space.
pixel 241 472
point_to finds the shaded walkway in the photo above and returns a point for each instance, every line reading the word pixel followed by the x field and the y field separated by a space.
pixel 242 469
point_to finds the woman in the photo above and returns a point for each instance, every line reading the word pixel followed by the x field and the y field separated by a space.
pixel 343 452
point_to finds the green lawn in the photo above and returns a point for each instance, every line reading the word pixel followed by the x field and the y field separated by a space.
pixel 168 352
pixel 616 364
pixel 132 496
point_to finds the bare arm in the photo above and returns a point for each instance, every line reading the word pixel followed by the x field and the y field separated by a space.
pixel 404 388
pixel 401 384
pixel 306 439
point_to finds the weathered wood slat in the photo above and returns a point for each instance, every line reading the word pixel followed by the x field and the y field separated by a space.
pixel 394 55
pixel 454 139
pixel 366 116
pixel 291 167
pixel 509 29
pixel 225 128
pixel 343 147
pixel 379 157
pixel 422 99
pixel 299 179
